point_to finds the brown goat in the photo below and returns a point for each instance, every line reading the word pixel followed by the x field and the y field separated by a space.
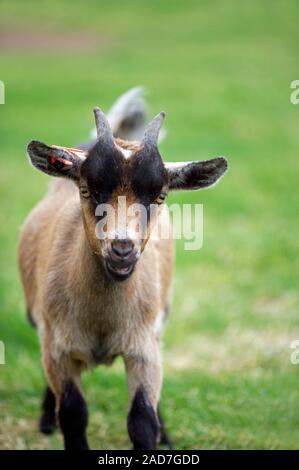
pixel 72 277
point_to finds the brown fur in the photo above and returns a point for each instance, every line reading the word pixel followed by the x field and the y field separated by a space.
pixel 82 317
pixel 133 145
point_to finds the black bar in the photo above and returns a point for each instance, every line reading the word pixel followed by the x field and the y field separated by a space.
pixel 130 459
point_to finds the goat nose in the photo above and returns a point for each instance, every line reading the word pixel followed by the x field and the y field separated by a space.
pixel 122 248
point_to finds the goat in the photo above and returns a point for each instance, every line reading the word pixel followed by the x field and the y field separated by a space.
pixel 95 298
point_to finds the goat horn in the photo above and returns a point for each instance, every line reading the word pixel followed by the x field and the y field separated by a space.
pixel 152 130
pixel 104 130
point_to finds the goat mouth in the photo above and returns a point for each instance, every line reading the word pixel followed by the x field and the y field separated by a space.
pixel 119 273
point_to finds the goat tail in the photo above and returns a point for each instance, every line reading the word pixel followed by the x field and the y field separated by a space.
pixel 128 115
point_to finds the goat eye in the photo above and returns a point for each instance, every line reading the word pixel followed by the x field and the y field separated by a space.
pixel 84 192
pixel 161 198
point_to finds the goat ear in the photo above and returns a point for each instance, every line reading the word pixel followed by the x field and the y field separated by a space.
pixel 195 175
pixel 56 161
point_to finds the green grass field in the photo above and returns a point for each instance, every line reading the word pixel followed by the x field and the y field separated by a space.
pixel 222 72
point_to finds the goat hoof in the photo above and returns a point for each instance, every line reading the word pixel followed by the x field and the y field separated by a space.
pixel 47 425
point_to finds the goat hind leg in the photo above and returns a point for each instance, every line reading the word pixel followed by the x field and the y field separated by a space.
pixel 47 422
pixel 164 437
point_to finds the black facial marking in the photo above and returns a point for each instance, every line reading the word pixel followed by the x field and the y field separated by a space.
pixel 143 426
pixel 47 421
pixel 73 418
pixel 148 176
pixel 106 169
pixel 103 171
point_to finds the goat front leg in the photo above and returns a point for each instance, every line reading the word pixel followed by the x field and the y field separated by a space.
pixel 73 417
pixel 144 374
pixel 71 409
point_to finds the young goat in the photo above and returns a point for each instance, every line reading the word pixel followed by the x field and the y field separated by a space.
pixel 72 276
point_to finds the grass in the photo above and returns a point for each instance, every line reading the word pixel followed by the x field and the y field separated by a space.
pixel 222 72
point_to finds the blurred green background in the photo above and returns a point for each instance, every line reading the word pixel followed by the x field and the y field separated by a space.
pixel 222 71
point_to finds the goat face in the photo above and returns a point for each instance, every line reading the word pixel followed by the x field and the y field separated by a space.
pixel 122 187
pixel 120 196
